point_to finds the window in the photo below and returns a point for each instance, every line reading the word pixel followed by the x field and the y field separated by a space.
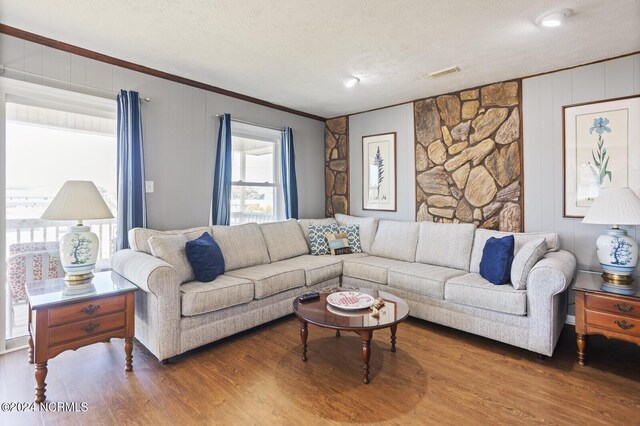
pixel 51 136
pixel 256 191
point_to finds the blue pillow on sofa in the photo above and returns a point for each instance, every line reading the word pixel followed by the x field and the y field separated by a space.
pixel 497 257
pixel 205 257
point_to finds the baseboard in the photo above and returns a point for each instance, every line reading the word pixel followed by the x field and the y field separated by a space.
pixel 571 319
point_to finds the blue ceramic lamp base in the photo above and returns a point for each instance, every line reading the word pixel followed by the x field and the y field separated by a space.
pixel 618 255
pixel 626 290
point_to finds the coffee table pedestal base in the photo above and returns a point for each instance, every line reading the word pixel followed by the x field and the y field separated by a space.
pixel 365 335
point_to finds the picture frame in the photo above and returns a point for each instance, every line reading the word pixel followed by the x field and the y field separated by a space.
pixel 601 148
pixel 379 185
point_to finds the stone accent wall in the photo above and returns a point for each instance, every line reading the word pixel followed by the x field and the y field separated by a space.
pixel 468 157
pixel 336 170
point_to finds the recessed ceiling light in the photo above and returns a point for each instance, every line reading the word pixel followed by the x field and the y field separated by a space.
pixel 350 81
pixel 553 18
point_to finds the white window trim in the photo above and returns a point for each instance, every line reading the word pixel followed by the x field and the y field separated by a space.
pixel 267 135
pixel 17 90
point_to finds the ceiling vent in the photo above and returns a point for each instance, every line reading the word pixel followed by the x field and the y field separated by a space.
pixel 444 72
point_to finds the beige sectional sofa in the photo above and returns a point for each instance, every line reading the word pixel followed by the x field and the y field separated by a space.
pixel 434 267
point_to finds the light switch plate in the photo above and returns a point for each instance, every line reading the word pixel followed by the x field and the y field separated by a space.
pixel 148 186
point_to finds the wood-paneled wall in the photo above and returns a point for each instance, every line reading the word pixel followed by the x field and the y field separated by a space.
pixel 180 130
pixel 543 98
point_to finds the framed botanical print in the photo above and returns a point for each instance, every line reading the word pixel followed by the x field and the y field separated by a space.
pixel 379 172
pixel 601 148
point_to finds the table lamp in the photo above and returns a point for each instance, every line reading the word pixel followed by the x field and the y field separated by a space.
pixel 78 200
pixel 617 252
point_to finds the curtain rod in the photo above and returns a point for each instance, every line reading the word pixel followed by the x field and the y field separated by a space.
pixel 4 69
pixel 252 124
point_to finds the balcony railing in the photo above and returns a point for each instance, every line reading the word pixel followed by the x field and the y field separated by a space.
pixel 37 230
pixel 245 217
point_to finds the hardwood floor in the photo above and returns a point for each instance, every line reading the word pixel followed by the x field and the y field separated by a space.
pixel 436 376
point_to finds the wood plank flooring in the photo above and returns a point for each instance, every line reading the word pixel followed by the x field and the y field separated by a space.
pixel 437 376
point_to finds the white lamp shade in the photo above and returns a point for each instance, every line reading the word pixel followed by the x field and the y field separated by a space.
pixel 614 206
pixel 77 200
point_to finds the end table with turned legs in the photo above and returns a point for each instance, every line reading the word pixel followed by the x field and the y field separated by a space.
pixel 64 317
pixel 613 315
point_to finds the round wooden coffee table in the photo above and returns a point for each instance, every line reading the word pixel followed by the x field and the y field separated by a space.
pixel 320 313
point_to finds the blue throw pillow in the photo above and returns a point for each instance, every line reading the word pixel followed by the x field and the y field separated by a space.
pixel 205 257
pixel 497 257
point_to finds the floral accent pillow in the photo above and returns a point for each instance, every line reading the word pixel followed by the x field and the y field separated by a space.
pixel 318 240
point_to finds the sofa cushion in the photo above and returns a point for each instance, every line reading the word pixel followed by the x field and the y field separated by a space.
pixel 305 223
pixel 396 240
pixel 367 227
pixel 370 268
pixel 350 256
pixel 527 257
pixel 473 290
pixel 419 278
pixel 205 257
pixel 172 249
pixel 242 245
pixel 316 268
pixel 445 244
pixel 284 239
pixel 139 237
pixel 482 235
pixel 271 279
pixel 223 292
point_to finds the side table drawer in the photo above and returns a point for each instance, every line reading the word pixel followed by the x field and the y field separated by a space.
pixel 84 310
pixel 613 305
pixel 618 323
pixel 90 327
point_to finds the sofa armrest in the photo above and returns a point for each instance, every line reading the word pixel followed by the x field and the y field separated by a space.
pixel 547 283
pixel 553 274
pixel 151 274
pixel 157 305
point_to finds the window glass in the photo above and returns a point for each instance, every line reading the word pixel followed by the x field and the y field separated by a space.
pixel 45 147
pixel 256 188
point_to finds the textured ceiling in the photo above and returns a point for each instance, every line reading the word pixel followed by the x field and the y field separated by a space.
pixel 295 53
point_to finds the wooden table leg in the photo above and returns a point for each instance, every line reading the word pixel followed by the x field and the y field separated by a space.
pixel 581 340
pixel 30 339
pixel 129 331
pixel 303 336
pixel 366 353
pixel 337 333
pixel 394 327
pixel 128 354
pixel 41 375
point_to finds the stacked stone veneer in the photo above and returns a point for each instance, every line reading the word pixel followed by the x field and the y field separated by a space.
pixel 336 170
pixel 468 161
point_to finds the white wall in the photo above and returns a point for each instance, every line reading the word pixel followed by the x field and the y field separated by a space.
pixel 397 119
pixel 543 98
pixel 180 131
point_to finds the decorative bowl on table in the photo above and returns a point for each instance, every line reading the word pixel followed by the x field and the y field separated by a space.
pixel 350 300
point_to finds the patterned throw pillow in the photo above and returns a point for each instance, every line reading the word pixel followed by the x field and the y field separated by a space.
pixel 319 244
pixel 353 234
pixel 338 243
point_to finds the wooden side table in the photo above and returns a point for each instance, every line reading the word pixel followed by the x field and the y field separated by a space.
pixel 63 317
pixel 612 315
